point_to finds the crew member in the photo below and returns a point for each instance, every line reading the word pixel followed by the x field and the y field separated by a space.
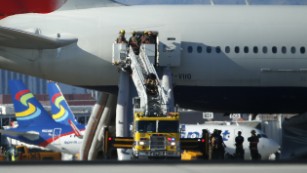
pixel 148 38
pixel 145 38
pixel 239 146
pixel 151 38
pixel 253 142
pixel 211 145
pixel 121 37
pixel 218 146
pixel 151 84
pixel 134 43
pixel 221 146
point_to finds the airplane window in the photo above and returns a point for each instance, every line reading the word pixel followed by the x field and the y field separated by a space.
pixel 255 49
pixel 237 49
pixel 274 49
pixel 199 49
pixel 246 50
pixel 218 49
pixel 303 50
pixel 293 50
pixel 190 49
pixel 209 49
pixel 264 49
pixel 284 50
pixel 227 49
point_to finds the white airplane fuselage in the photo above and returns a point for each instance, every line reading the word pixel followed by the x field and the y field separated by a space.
pixel 262 58
pixel 53 140
pixel 266 146
pixel 69 144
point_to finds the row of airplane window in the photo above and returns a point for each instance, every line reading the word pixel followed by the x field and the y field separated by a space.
pixel 246 49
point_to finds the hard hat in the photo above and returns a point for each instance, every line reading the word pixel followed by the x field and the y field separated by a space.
pixel 122 31
pixel 145 32
pixel 253 132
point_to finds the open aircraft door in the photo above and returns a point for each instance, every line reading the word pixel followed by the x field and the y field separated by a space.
pixel 169 48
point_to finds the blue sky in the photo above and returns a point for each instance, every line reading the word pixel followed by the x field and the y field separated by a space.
pixel 279 2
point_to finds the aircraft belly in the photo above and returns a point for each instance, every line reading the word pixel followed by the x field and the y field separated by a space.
pixel 242 99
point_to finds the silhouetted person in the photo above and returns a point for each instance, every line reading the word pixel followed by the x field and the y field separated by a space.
pixel 253 145
pixel 218 146
pixel 239 146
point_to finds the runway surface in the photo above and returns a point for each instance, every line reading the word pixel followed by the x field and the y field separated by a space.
pixel 153 167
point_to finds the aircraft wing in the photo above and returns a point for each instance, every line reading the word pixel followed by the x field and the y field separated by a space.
pixel 28 135
pixel 15 38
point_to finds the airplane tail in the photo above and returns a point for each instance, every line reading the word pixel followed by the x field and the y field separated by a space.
pixel 60 110
pixel 28 110
pixel 75 129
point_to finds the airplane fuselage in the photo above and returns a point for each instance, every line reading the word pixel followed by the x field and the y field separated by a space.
pixel 60 139
pixel 68 143
pixel 232 58
pixel 266 146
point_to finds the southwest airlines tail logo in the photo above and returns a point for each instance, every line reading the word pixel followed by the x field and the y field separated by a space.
pixel 61 114
pixel 30 111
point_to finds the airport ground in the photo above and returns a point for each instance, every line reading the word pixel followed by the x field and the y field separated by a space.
pixel 154 167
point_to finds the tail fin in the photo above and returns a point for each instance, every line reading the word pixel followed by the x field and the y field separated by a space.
pixel 60 110
pixel 75 129
pixel 27 109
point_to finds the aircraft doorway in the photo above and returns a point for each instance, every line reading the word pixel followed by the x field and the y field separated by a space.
pixel 169 48
pixel 56 136
pixel 148 41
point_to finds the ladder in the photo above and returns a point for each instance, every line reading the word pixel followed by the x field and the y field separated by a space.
pixel 153 97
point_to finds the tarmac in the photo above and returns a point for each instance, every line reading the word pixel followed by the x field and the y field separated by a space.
pixel 154 167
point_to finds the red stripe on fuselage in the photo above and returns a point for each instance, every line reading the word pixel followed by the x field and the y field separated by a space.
pixel 52 139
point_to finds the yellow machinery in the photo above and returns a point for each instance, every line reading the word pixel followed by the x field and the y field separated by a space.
pixel 158 137
pixel 191 155
pixel 24 153
pixel 155 132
